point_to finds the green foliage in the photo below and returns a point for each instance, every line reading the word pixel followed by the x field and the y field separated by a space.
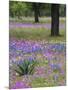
pixel 62 10
pixel 12 8
pixel 26 67
pixel 18 9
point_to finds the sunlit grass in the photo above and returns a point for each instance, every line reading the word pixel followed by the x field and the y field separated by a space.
pixel 36 34
pixel 41 82
pixel 31 19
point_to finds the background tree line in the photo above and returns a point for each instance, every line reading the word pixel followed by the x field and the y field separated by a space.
pixel 27 9
pixel 37 10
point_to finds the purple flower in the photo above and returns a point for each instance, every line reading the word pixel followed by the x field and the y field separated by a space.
pixel 20 85
pixel 55 66
pixel 31 58
pixel 55 77
pixel 13 25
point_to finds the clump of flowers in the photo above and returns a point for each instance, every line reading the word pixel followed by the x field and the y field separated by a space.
pixel 55 67
pixel 20 84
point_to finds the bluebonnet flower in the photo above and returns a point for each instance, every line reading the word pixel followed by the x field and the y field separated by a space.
pixel 31 58
pixel 55 66
pixel 36 48
pixel 19 62
pixel 57 47
pixel 55 77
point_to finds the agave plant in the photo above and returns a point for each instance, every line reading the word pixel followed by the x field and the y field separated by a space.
pixel 26 67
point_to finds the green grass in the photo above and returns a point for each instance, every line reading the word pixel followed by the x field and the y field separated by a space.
pixel 36 34
pixel 41 82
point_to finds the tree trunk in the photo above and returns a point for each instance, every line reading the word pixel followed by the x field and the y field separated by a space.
pixel 55 20
pixel 36 12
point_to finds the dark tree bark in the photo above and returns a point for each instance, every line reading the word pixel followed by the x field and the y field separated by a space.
pixel 36 11
pixel 55 20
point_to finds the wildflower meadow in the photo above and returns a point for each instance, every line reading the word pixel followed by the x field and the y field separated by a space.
pixel 36 59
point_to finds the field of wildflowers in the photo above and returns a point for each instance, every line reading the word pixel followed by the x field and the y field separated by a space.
pixel 35 63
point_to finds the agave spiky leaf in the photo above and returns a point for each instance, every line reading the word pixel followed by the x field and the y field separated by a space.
pixel 21 69
pixel 20 73
pixel 25 68
pixel 31 69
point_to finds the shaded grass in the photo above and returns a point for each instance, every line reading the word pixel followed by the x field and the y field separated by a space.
pixel 36 34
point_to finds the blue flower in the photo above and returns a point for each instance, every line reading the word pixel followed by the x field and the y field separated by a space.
pixel 55 77
pixel 31 58
pixel 55 66
pixel 36 48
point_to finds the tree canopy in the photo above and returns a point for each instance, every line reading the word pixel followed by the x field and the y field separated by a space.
pixel 26 9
